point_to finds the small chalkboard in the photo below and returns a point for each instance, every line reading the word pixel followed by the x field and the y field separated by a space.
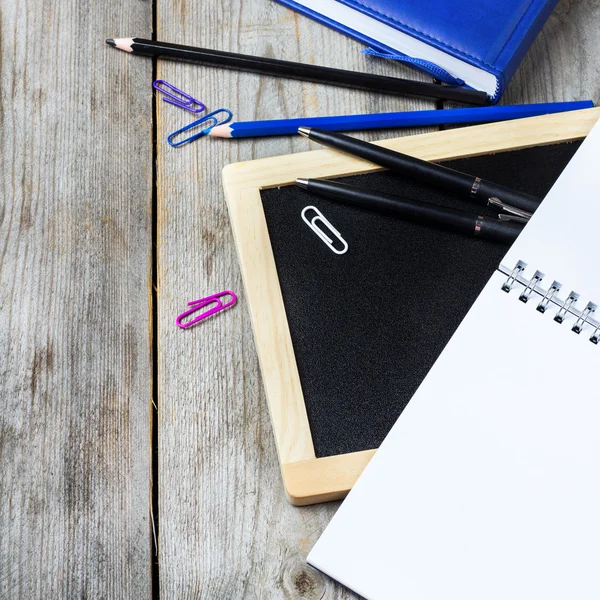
pixel 345 340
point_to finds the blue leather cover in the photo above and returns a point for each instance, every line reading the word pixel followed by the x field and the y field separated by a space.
pixel 491 34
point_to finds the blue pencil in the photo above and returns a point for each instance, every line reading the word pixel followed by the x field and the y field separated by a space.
pixel 418 118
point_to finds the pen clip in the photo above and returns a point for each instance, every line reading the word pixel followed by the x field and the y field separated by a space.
pixel 513 218
pixel 517 214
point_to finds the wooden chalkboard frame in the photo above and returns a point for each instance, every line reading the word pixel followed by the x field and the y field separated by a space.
pixel 307 479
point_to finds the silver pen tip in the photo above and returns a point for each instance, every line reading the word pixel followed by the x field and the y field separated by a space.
pixel 303 183
pixel 305 131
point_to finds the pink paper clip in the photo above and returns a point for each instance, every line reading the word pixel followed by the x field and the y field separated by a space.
pixel 202 303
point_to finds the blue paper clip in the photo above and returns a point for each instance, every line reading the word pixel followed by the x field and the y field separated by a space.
pixel 184 100
pixel 209 117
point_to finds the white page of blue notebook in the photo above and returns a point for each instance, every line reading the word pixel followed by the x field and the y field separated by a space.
pixel 488 486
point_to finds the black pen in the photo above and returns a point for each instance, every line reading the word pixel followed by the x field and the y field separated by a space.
pixel 515 203
pixel 420 212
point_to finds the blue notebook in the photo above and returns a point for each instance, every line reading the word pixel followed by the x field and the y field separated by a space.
pixel 476 42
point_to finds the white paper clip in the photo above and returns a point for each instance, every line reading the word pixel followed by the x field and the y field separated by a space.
pixel 328 241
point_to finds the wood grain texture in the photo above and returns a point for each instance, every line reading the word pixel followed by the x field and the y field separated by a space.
pixel 563 63
pixel 226 528
pixel 75 258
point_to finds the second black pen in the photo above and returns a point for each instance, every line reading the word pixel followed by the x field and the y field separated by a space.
pixel 420 212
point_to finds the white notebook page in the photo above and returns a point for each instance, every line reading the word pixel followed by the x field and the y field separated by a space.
pixel 488 486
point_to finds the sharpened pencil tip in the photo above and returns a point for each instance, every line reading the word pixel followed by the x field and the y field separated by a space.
pixel 223 131
pixel 303 183
pixel 124 44
pixel 305 131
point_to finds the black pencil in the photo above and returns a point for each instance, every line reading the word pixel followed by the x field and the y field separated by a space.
pixel 292 70
pixel 420 212
pixel 467 186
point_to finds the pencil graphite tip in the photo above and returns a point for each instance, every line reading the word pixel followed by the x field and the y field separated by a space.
pixel 305 131
pixel 303 183
pixel 111 43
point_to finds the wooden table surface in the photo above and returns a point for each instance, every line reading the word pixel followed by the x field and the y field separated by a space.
pixel 136 459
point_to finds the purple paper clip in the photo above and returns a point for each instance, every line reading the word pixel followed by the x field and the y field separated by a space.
pixel 203 302
pixel 184 100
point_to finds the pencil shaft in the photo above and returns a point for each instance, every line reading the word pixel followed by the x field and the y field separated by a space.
pixel 468 186
pixel 418 118
pixel 292 70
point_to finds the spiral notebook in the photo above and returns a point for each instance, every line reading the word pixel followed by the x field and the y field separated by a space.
pixel 488 485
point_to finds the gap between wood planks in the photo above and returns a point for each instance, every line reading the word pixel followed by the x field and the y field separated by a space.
pixel 154 516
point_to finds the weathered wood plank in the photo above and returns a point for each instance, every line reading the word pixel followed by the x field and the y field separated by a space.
pixel 75 260
pixel 563 63
pixel 226 529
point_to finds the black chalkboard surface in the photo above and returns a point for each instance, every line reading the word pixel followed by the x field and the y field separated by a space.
pixel 367 326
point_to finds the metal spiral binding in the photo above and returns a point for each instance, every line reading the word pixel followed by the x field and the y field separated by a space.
pixel 543 305
pixel 584 318
pixel 565 308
